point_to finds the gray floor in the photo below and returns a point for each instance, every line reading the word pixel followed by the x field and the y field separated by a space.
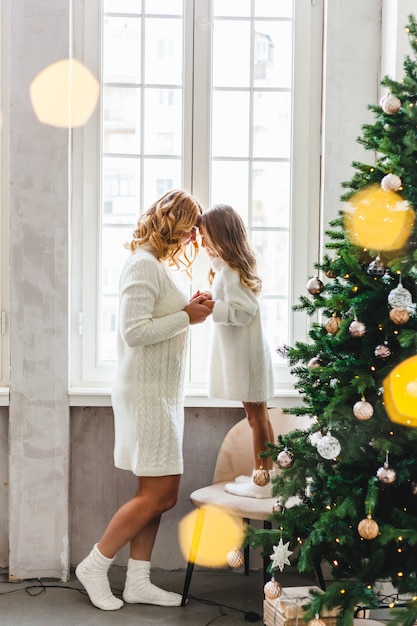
pixel 215 596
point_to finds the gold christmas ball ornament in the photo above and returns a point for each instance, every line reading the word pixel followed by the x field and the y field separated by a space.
pixel 272 589
pixel 333 324
pixel 317 621
pixel 378 219
pixel 390 104
pixel 357 329
pixel 285 458
pixel 368 528
pixel 261 477
pixel 314 286
pixel 399 317
pixel 363 410
pixel 386 474
pixel 391 182
pixel 235 558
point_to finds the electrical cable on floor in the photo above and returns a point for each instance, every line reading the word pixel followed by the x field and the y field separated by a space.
pixel 40 587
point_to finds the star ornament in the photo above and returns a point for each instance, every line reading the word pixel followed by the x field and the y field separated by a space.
pixel 280 556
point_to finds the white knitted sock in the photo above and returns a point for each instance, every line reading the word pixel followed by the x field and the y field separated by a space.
pixel 249 489
pixel 92 573
pixel 139 589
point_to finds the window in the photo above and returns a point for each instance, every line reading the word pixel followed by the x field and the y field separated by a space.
pixel 215 96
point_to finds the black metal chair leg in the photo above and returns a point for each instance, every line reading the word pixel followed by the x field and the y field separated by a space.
pixel 195 542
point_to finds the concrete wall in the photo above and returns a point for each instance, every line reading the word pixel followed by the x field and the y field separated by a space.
pixel 58 470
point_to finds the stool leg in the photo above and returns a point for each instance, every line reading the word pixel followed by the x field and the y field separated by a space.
pixel 195 542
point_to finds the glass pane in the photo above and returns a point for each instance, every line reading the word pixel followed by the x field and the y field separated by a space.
pixel 121 120
pixel 230 124
pixel 271 183
pixel 272 253
pixel 169 7
pixel 113 256
pixel 231 54
pixel 163 126
pixel 120 190
pixel 223 192
pixel 272 57
pixel 121 50
pixel 273 8
pixel 163 51
pixel 272 125
pixel 122 6
pixel 159 176
pixel 275 322
pixel 231 8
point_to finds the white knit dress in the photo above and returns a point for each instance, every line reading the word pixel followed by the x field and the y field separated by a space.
pixel 240 360
pixel 147 394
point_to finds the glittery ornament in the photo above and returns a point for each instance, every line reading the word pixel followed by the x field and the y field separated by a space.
pixel 328 447
pixel 391 182
pixel 383 351
pixel 376 268
pixel 368 528
pixel 399 317
pixel 261 477
pixel 386 474
pixel 272 589
pixel 357 329
pixel 390 104
pixel 363 410
pixel 235 558
pixel 314 286
pixel 285 458
pixel 333 324
pixel 400 298
pixel 314 362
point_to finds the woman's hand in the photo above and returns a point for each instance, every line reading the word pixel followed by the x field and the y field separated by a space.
pixel 197 310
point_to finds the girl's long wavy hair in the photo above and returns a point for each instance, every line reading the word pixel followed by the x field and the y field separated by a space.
pixel 226 231
pixel 162 226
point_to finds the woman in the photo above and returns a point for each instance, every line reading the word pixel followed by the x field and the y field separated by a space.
pixel 147 396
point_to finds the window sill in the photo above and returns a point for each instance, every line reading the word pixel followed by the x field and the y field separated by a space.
pixel 91 396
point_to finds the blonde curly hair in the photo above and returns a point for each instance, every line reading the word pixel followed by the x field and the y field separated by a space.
pixel 225 230
pixel 162 226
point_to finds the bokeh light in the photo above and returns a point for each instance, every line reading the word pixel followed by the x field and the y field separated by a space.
pixel 64 94
pixel 208 534
pixel 378 219
pixel 400 396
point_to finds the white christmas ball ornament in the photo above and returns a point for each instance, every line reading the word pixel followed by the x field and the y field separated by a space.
pixel 272 589
pixel 386 474
pixel 391 182
pixel 328 447
pixel 357 329
pixel 285 458
pixel 400 298
pixel 235 558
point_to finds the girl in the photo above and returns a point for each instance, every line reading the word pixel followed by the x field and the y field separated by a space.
pixel 147 396
pixel 240 362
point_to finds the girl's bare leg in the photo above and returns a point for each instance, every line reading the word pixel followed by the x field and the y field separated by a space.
pixel 262 431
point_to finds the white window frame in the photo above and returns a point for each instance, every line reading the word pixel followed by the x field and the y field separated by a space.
pixel 91 384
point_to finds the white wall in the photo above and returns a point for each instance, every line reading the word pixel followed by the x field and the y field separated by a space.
pixel 41 434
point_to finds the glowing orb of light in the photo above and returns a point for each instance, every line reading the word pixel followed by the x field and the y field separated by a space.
pixel 400 393
pixel 208 534
pixel 64 94
pixel 378 219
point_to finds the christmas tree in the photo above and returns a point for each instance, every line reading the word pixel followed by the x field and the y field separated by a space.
pixel 354 470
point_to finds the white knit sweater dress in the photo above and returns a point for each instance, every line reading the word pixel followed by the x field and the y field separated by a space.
pixel 147 394
pixel 240 360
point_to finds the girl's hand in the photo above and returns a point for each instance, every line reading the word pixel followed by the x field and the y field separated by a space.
pixel 196 310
